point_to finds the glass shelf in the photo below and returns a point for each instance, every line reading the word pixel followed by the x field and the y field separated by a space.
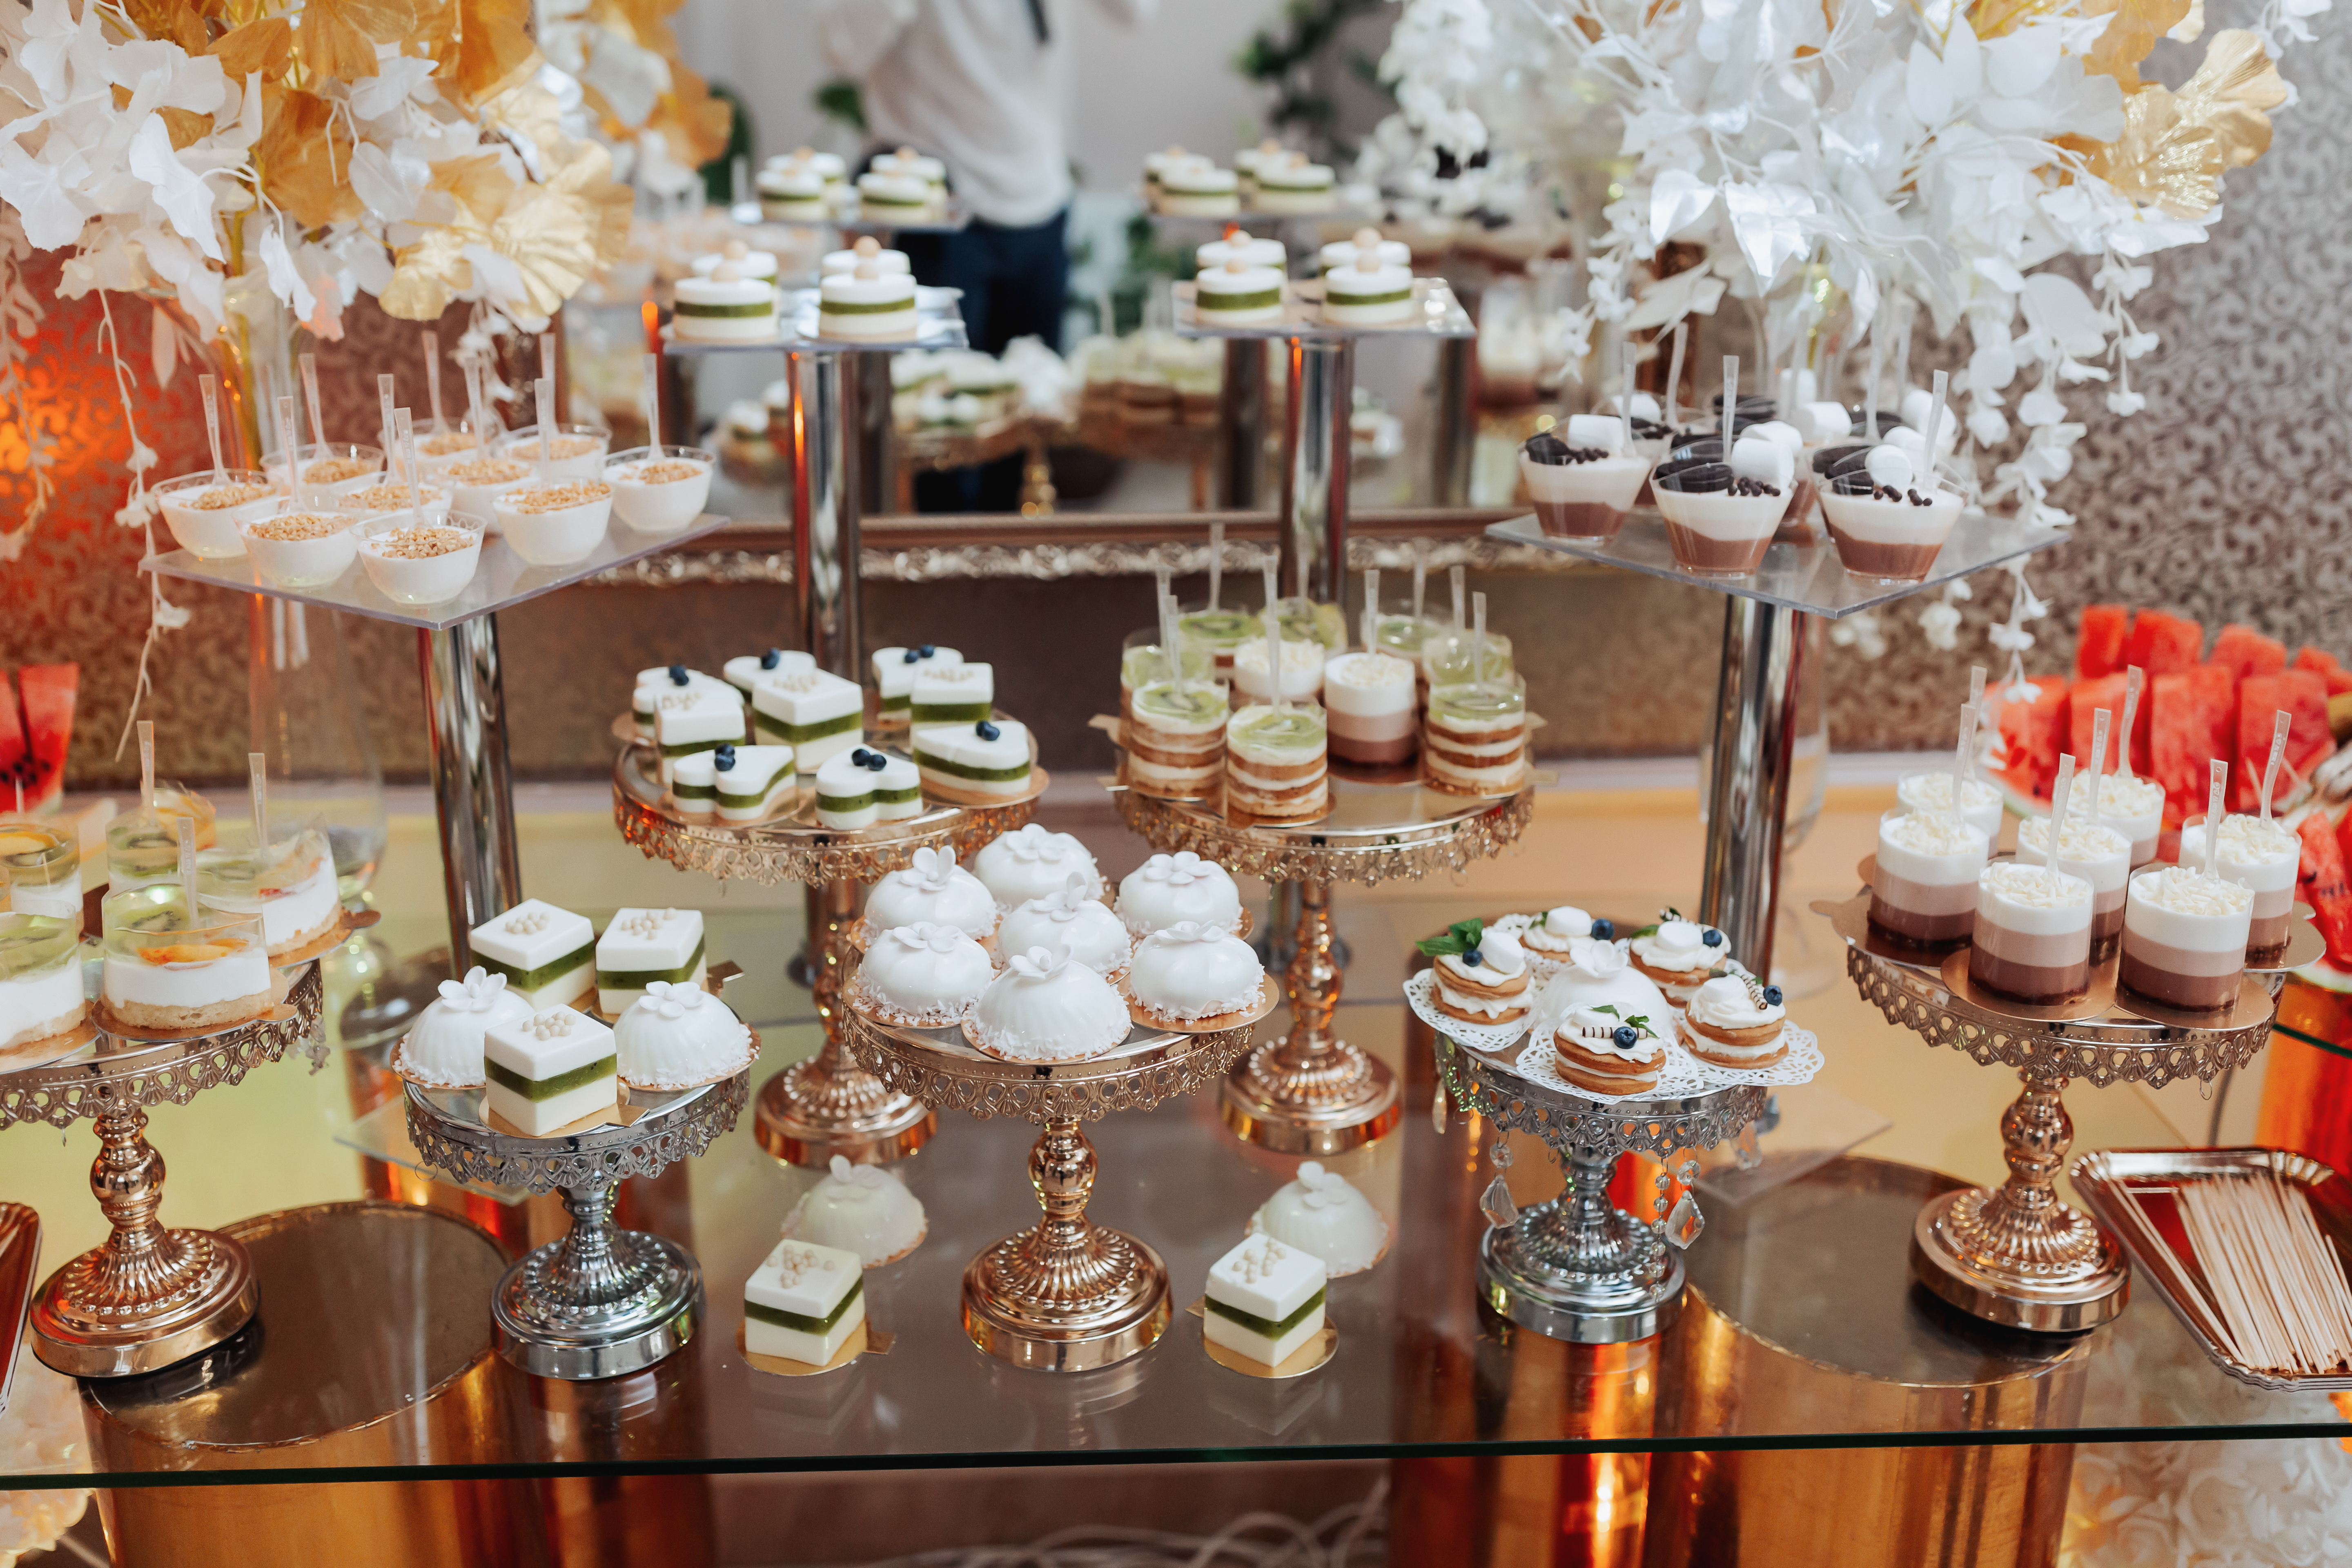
pixel 938 324
pixel 1796 576
pixel 504 579
pixel 1829 1343
pixel 1436 313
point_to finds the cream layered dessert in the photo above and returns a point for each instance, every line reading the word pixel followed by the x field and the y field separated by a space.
pixel 1294 185
pixel 1923 884
pixel 909 163
pixel 1980 806
pixel 167 968
pixel 866 303
pixel 290 887
pixel 1302 672
pixel 1263 1301
pixel 1888 522
pixel 1237 294
pixel 1721 516
pixel 726 305
pixel 1276 763
pixel 1198 189
pixel 895 670
pixel 1365 241
pixel 1144 663
pixel 1369 705
pixel 818 714
pixel 868 248
pixel 1582 482
pixel 40 978
pixel 1155 164
pixel 1252 252
pixel 743 672
pixel 2262 856
pixel 1367 293
pixel 1735 1020
pixel 2132 807
pixel 1473 740
pixel 1174 738
pixel 860 787
pixel 548 1070
pixel 641 946
pixel 692 720
pixel 951 693
pixel 141 846
pixel 2185 938
pixel 546 954
pixel 2031 938
pixel 751 263
pixel 445 1045
pixel 904 197
pixel 985 760
pixel 203 510
pixel 793 193
pixel 1676 954
pixel 1606 1051
pixel 803 1303
pixel 1488 981
pixel 2094 852
pixel 1217 633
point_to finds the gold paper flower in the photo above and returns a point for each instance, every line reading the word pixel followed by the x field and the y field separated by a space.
pixel 2176 146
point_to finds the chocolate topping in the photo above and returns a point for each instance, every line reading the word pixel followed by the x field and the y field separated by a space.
pixel 1692 476
pixel 1831 462
pixel 1554 453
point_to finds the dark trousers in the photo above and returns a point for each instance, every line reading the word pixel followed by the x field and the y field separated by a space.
pixel 1015 283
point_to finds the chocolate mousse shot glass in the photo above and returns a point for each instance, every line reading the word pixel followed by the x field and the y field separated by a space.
pixel 1583 486
pixel 2033 935
pixel 1718 522
pixel 1923 882
pixel 2185 938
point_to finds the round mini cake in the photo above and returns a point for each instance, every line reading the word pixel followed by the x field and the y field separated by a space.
pixel 794 190
pixel 727 307
pixel 1194 976
pixel 868 248
pixel 1189 189
pixel 920 976
pixel 1736 1021
pixel 1677 953
pixel 1034 862
pixel 1169 888
pixel 1483 975
pixel 864 1209
pixel 677 1036
pixel 1348 252
pixel 1293 186
pixel 1072 925
pixel 1237 294
pixel 867 302
pixel 1608 1050
pixel 1239 246
pixel 1047 1009
pixel 932 889
pixel 444 1047
pixel 896 196
pixel 1553 935
pixel 1322 1213
pixel 907 163
pixel 829 166
pixel 747 262
pixel 1366 294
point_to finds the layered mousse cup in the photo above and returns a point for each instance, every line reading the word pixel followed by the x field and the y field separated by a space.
pixel 1370 701
pixel 1583 486
pixel 2099 855
pixel 1979 802
pixel 2185 938
pixel 43 864
pixel 1923 884
pixel 1888 535
pixel 2032 934
pixel 1218 633
pixel 2262 858
pixel 1719 524
pixel 2132 807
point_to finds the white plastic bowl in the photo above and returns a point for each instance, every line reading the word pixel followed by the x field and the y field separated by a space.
pixel 316 453
pixel 211 534
pixel 434 580
pixel 522 446
pixel 474 498
pixel 302 563
pixel 553 538
pixel 664 507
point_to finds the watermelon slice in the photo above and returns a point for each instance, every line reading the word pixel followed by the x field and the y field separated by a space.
pixel 2303 694
pixel 2161 643
pixel 2323 885
pixel 2338 679
pixel 2243 651
pixel 2082 705
pixel 2099 648
pixel 2192 718
pixel 33 744
pixel 2032 733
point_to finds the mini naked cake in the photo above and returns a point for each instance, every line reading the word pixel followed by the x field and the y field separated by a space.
pixel 866 303
pixel 1606 1051
pixel 1473 739
pixel 1072 923
pixel 1369 705
pixel 1888 522
pixel 1365 293
pixel 1923 884
pixel 1047 1009
pixel 1175 739
pixel 1736 1020
pixel 921 977
pixel 1237 294
pixel 2094 852
pixel 2185 938
pixel 1276 763
pixel 932 889
pixel 2032 941
pixel 1194 977
pixel 2262 856
pixel 1169 889
pixel 1482 975
pixel 1584 484
pixel 1677 953
pixel 728 306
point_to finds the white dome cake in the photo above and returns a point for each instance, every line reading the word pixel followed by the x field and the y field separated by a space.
pixel 1034 862
pixel 1070 925
pixel 1598 973
pixel 933 888
pixel 1167 889
pixel 864 1209
pixel 445 1045
pixel 1047 1009
pixel 678 1036
pixel 1321 1214
pixel 1189 977
pixel 921 977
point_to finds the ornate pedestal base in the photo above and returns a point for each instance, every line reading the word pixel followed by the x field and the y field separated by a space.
pixel 2017 1255
pixel 1066 1294
pixel 602 1302
pixel 1310 1092
pixel 1579 1269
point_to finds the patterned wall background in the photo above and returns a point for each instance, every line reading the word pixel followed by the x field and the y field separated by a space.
pixel 2228 499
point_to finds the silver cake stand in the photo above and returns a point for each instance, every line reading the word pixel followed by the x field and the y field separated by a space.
pixel 600 1301
pixel 1577 1267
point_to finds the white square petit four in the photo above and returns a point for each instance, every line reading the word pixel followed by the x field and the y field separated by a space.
pixel 644 945
pixel 695 720
pixel 816 713
pixel 1265 1301
pixel 652 683
pixel 895 670
pixel 745 674
pixel 548 1070
pixel 750 783
pixel 861 787
pixel 803 1303
pixel 545 953
pixel 987 758
pixel 955 693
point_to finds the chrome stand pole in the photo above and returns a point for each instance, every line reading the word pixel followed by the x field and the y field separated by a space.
pixel 473 796
pixel 1747 777
pixel 826 409
pixel 1315 467
pixel 1454 436
pixel 1241 424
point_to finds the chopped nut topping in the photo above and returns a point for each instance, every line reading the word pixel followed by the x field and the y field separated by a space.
pixel 220 497
pixel 335 470
pixel 379 497
pixel 447 442
pixel 420 544
pixel 555 498
pixel 662 473
pixel 557 446
pixel 488 471
pixel 300 525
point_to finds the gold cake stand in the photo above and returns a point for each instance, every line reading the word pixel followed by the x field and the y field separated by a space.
pixel 147 1295
pixel 2020 1254
pixel 827 1104
pixel 1065 1295
pixel 1308 1092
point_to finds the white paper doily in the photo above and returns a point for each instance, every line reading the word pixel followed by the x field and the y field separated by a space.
pixel 1420 993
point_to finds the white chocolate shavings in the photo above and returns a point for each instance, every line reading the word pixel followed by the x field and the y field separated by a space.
pixel 1934 790
pixel 958 674
pixel 1378 670
pixel 2082 841
pixel 2034 887
pixel 1932 832
pixel 2186 891
pixel 552 1024
pixel 529 924
pixel 1260 1260
pixel 2249 839
pixel 2119 796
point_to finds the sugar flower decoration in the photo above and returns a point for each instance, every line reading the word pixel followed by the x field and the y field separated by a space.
pixel 478 992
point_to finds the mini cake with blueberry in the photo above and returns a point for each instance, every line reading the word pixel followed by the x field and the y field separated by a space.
pixel 1608 1049
pixel 981 761
pixel 895 670
pixel 956 693
pixel 739 784
pixel 1483 975
pixel 1550 935
pixel 644 705
pixel 1736 1020
pixel 860 787
pixel 745 673
pixel 1678 954
pixel 816 713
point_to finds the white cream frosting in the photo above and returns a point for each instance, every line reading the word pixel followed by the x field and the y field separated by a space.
pixel 1044 1008
pixel 1932 834
pixel 1679 944
pixel 445 1045
pixel 2187 910
pixel 928 973
pixel 2121 799
pixel 1366 685
pixel 1868 520
pixel 1034 862
pixel 2092 850
pixel 2177 889
pixel 2015 896
pixel 934 888
pixel 1598 973
pixel 1070 923
pixel 1724 1002
pixel 2264 856
pixel 1188 971
pixel 1595 1031
pixel 1167 889
pixel 40 998
pixel 676 1035
pixel 1302 669
pixel 1613 481
pixel 1719 515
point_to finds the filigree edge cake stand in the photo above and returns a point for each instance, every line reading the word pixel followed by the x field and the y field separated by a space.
pixel 2020 1254
pixel 1307 1092
pixel 825 1104
pixel 598 1301
pixel 1576 1267
pixel 1065 1295
pixel 147 1295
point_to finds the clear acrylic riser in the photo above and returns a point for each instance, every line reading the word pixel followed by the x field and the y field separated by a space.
pixel 1436 313
pixel 938 324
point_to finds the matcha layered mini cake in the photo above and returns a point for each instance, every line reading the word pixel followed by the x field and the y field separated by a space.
pixel 645 702
pixel 644 945
pixel 544 953
pixel 866 303
pixel 951 694
pixel 987 760
pixel 741 784
pixel 860 787
pixel 818 714
pixel 895 670
pixel 695 720
pixel 1237 294
pixel 1265 1301
pixel 803 1303
pixel 745 673
pixel 548 1070
pixel 727 307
